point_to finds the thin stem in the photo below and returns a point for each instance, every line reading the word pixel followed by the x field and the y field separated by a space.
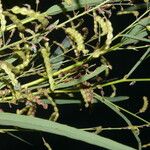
pixel 131 25
pixel 138 63
pixel 19 42
pixel 126 80
pixel 82 14
pixel 54 74
pixel 115 128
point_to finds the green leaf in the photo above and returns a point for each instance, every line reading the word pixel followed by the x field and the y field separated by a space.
pixel 78 101
pixel 136 38
pixel 138 32
pixel 57 56
pixel 117 98
pixel 33 123
pixel 138 6
pixel 63 7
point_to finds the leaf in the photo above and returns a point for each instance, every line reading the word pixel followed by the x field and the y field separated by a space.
pixel 33 123
pixel 86 77
pixel 136 38
pixel 78 101
pixel 117 99
pixel 57 56
pixel 63 7
pixel 1 85
pixel 11 60
pixel 138 6
pixel 138 32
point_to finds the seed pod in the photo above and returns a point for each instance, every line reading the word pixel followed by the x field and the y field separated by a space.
pixel 26 60
pixel 46 53
pixel 11 75
pixel 25 63
pixel 78 39
pixel 87 93
pixel 15 20
pixel 145 105
pixel 107 29
pixel 102 25
pixel 31 111
pixel 3 21
pixel 31 13
pixel 5 92
pixel 68 2
pixel 109 34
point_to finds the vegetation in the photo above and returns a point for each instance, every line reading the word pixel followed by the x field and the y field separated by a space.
pixel 36 69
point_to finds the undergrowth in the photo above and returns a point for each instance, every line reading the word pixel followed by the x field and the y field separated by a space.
pixel 36 69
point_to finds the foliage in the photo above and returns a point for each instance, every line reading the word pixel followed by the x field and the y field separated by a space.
pixel 37 69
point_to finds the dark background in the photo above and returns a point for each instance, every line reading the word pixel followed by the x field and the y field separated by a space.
pixel 72 115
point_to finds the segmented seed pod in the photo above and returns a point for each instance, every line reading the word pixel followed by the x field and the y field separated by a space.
pixel 69 2
pixel 145 105
pixel 5 92
pixel 26 60
pixel 3 21
pixel 95 23
pixel 109 34
pixel 25 63
pixel 23 110
pixel 11 75
pixel 31 111
pixel 46 53
pixel 87 93
pixel 102 25
pixel 15 20
pixel 77 38
pixel 31 13
pixel 22 10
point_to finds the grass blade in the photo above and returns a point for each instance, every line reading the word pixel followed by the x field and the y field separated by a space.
pixel 33 123
pixel 136 38
pixel 78 101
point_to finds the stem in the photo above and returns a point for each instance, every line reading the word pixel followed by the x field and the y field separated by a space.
pixel 82 14
pixel 19 42
pixel 54 74
pixel 131 25
pixel 115 128
pixel 138 63
pixel 125 80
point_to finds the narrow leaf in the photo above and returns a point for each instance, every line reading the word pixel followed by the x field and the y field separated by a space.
pixel 138 32
pixel 33 123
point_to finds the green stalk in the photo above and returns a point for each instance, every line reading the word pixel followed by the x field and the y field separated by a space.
pixel 38 81
pixel 125 80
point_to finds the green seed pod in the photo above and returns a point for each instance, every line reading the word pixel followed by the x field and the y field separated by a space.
pixel 26 59
pixel 102 25
pixel 3 21
pixel 78 39
pixel 87 94
pixel 109 34
pixel 11 75
pixel 69 2
pixel 46 53
pixel 15 20
pixel 31 13
pixel 25 63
